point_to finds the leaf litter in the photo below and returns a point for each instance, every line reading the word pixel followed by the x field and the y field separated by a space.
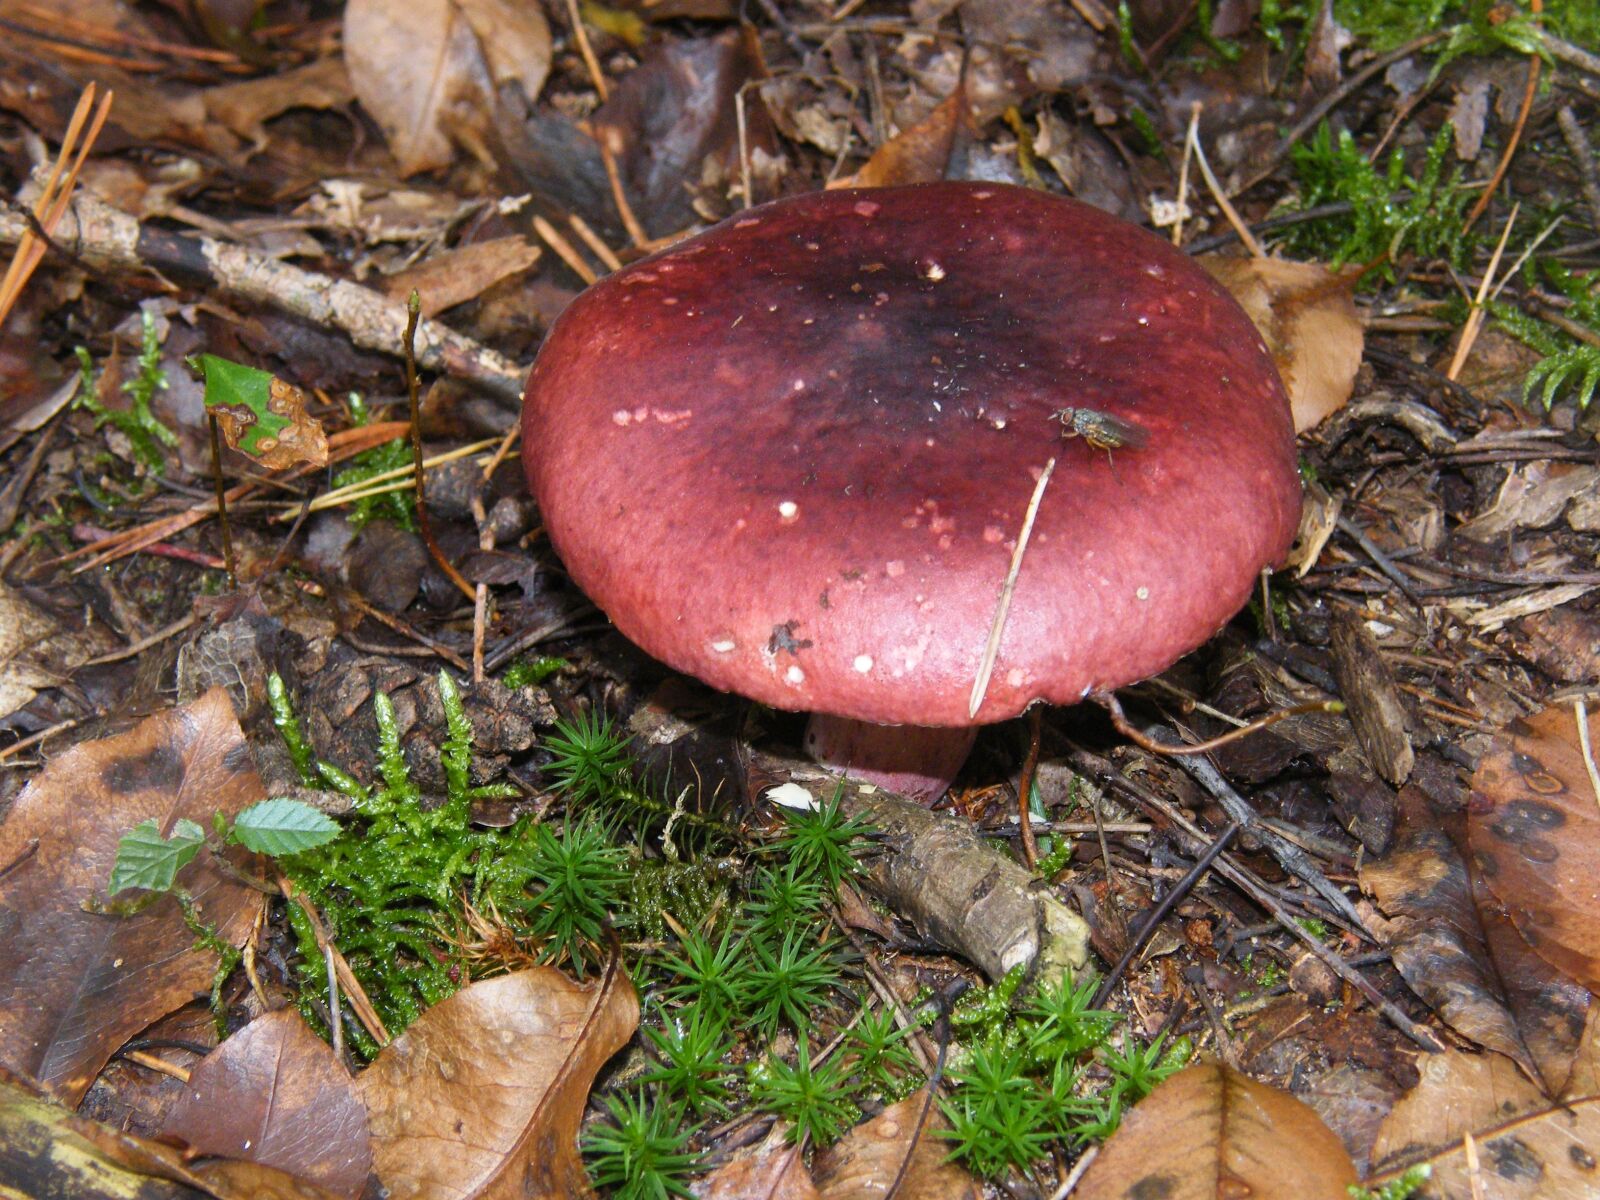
pixel 1455 536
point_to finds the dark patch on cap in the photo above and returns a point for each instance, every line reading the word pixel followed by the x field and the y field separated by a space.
pixel 783 640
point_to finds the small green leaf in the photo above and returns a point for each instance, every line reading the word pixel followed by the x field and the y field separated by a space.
pixel 145 859
pixel 281 826
pixel 245 393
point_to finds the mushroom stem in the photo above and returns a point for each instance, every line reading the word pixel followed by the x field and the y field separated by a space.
pixel 915 761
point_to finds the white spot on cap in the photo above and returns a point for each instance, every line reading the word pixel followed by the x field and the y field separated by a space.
pixel 799 385
pixel 724 645
pixel 1015 677
pixel 1142 594
pixel 1144 320
pixel 981 195
pixel 866 208
pixel 788 510
pixel 863 663
pixel 933 272
pixel 993 534
pixel 747 223
pixel 795 676
pixel 669 299
pixel 894 569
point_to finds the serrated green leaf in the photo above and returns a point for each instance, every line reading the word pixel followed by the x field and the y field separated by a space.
pixel 145 859
pixel 282 826
pixel 245 392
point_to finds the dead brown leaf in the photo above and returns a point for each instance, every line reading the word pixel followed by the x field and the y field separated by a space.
pixel 772 1169
pixel 273 1093
pixel 1309 321
pixel 1527 1148
pixel 1441 946
pixel 45 1150
pixel 482 1096
pixel 1534 827
pixel 75 985
pixel 920 154
pixel 34 649
pixel 864 1163
pixel 246 107
pixel 428 70
pixel 464 273
pixel 1209 1131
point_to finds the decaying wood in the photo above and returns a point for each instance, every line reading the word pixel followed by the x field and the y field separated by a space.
pixel 1370 693
pixel 107 239
pixel 958 891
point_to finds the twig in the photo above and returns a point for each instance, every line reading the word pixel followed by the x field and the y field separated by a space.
pixel 54 196
pixel 1581 713
pixel 992 650
pixel 1183 887
pixel 222 501
pixel 33 739
pixel 108 239
pixel 581 36
pixel 564 250
pixel 595 243
pixel 1113 706
pixel 1379 558
pixel 1099 768
pixel 1578 143
pixel 1289 856
pixel 1336 97
pixel 619 194
pixel 1030 767
pixel 1070 1183
pixel 424 524
pixel 1220 196
pixel 1529 91
pixel 1189 141
pixel 1573 56
pixel 143 644
pixel 1469 331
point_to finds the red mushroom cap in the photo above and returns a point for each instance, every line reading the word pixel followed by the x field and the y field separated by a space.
pixel 792 456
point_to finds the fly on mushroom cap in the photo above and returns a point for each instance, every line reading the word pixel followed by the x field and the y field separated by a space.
pixel 792 456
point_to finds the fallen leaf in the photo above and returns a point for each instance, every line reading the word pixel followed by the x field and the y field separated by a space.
pixel 427 70
pixel 246 107
pixel 1436 938
pixel 920 154
pixel 27 633
pixel 1532 496
pixel 45 1150
pixel 273 1093
pixel 772 1169
pixel 1308 319
pixel 75 985
pixel 464 273
pixel 1528 1148
pixel 262 416
pixel 482 1096
pixel 864 1163
pixel 1209 1131
pixel 1534 827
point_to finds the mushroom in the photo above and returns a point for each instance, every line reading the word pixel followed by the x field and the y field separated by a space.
pixel 792 457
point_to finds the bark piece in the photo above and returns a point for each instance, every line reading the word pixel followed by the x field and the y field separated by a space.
pixel 1368 688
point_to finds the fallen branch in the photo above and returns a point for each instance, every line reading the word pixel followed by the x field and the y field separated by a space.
pixel 107 239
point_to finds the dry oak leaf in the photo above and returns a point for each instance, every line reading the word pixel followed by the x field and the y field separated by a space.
pixel 483 1095
pixel 1527 1147
pixel 48 1151
pixel 772 1169
pixel 274 1093
pixel 864 1163
pixel 428 70
pixel 1534 827
pixel 1308 319
pixel 75 985
pixel 1211 1132
pixel 920 154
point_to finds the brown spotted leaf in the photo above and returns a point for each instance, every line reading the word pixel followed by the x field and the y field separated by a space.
pixel 1435 935
pixel 273 1093
pixel 1209 1132
pixel 1527 1147
pixel 75 985
pixel 862 1164
pixel 1534 826
pixel 482 1096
